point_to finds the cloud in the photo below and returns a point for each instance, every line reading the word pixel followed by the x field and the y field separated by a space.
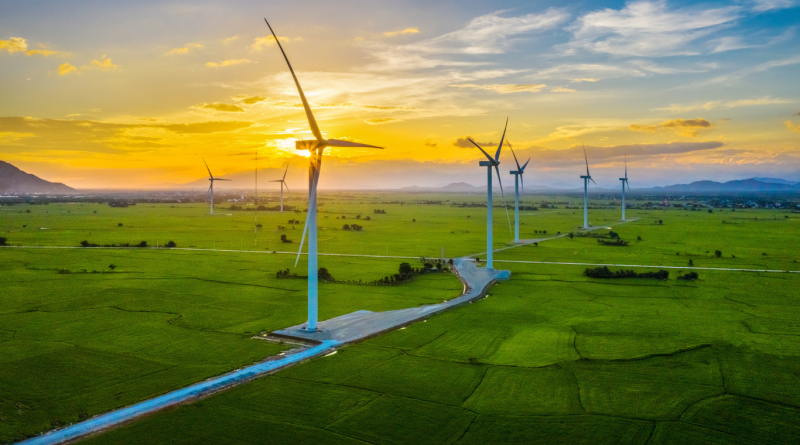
pixel 736 75
pixel 768 5
pixel 379 121
pixel 683 127
pixel 430 144
pixel 206 127
pixel 264 42
pixel 594 69
pixel 562 90
pixel 648 29
pixel 465 143
pixel 792 127
pixel 405 31
pixel 65 68
pixel 14 45
pixel 216 106
pixel 230 62
pixel 584 79
pixel 249 100
pixel 103 65
pixel 504 88
pixel 230 39
pixel 185 49
pixel 487 34
pixel 719 104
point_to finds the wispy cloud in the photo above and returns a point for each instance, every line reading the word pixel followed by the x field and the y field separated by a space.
pixel 217 106
pixel 683 127
pixel 561 89
pixel 720 104
pixel 14 45
pixel 648 29
pixel 265 42
pixel 505 88
pixel 379 121
pixel 574 154
pixel 249 100
pixel 230 39
pixel 736 75
pixel 769 5
pixel 792 127
pixel 487 34
pixel 584 79
pixel 104 64
pixel 405 31
pixel 230 62
pixel 465 143
pixel 185 49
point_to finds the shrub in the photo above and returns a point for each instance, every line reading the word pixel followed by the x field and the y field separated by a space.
pixel 638 238
pixel 119 224
pixel 112 267
pixel 691 276
pixel 171 244
pixel 616 242
pixel 571 235
pixel 710 211
pixel 356 227
pixel 325 276
pixel 346 227
pixel 285 240
pixel 142 244
pixel 717 253
pixel 3 240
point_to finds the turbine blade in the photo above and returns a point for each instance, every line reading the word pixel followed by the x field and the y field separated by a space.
pixel 283 183
pixel 519 169
pixel 526 164
pixel 499 147
pixel 587 161
pixel 209 170
pixel 220 179
pixel 522 182
pixel 312 199
pixel 277 180
pixel 497 169
pixel 482 150
pixel 287 171
pixel 340 143
pixel 590 178
pixel 311 121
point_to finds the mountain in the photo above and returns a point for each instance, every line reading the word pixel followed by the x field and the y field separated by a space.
pixel 751 185
pixel 776 181
pixel 15 181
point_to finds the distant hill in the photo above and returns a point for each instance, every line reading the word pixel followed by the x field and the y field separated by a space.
pixel 777 181
pixel 15 181
pixel 751 185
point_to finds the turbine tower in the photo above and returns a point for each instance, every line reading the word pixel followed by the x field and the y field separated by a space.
pixel 586 180
pixel 315 147
pixel 492 162
pixel 517 179
pixel 211 179
pixel 283 183
pixel 624 183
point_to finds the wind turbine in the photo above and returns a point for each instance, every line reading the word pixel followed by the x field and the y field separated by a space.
pixel 624 183
pixel 315 147
pixel 492 162
pixel 586 180
pixel 211 179
pixel 283 183
pixel 517 179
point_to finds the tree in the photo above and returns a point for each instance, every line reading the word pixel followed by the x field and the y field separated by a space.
pixel 660 221
pixel 142 244
pixel 112 267
pixel 285 240
pixel 119 224
pixel 346 227
pixel 710 211
pixel 414 220
pixel 171 244
pixel 691 263
pixel 324 275
pixel 405 268
pixel 717 253
pixel 3 240
pixel 85 243
pixel 571 235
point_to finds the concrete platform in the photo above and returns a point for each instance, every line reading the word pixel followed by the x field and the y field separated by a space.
pixel 360 325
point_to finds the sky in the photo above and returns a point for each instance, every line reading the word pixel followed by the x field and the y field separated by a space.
pixel 100 94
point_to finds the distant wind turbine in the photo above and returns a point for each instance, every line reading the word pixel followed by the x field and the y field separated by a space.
pixel 492 162
pixel 283 183
pixel 211 179
pixel 586 180
pixel 517 180
pixel 315 147
pixel 624 183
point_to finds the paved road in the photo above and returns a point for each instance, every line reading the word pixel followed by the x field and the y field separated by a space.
pixel 647 266
pixel 334 333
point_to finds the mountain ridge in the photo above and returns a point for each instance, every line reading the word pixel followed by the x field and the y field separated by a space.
pixel 15 181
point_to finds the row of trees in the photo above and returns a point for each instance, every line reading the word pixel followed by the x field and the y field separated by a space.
pixel 86 243
pixel 605 272
pixel 355 227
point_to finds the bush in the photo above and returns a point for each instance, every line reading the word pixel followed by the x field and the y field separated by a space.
pixel 691 276
pixel 405 268
pixel 346 227
pixel 717 253
pixel 710 211
pixel 119 224
pixel 324 275
pixel 172 244
pixel 3 240
pixel 356 227
pixel 616 242
pixel 605 272
pixel 285 240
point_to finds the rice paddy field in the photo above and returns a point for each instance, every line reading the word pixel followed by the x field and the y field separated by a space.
pixel 551 356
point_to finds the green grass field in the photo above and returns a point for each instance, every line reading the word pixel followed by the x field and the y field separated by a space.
pixel 551 356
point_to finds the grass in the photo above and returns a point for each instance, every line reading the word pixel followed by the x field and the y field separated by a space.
pixel 549 356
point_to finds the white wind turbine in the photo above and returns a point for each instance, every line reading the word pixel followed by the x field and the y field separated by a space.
pixel 586 180
pixel 624 183
pixel 315 147
pixel 283 183
pixel 517 180
pixel 211 179
pixel 492 162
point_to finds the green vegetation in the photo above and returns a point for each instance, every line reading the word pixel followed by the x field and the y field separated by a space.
pixel 550 356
